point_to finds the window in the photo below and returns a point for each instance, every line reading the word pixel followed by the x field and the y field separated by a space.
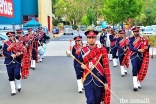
pixel 27 18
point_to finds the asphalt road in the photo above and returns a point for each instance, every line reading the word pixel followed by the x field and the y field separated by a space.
pixel 54 81
pixel 69 36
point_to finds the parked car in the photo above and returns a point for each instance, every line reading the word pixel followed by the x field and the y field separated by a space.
pixel 2 37
pixel 45 29
pixel 154 31
pixel 55 30
pixel 98 28
pixel 83 27
pixel 147 31
pixel 153 27
pixel 68 30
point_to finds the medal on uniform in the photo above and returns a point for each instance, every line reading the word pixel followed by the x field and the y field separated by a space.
pixel 91 65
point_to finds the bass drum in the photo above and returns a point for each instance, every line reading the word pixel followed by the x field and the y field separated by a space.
pixel 44 46
pixel 41 50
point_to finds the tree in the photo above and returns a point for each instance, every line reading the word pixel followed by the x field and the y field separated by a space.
pixel 85 21
pixel 141 19
pixel 116 11
pixel 91 16
pixel 76 9
pixel 148 15
pixel 61 8
pixel 53 3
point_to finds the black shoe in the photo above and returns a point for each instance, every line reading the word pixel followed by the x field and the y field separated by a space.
pixel 33 68
pixel 80 92
pixel 12 94
pixel 139 87
pixel 19 90
pixel 125 73
pixel 135 89
pixel 122 75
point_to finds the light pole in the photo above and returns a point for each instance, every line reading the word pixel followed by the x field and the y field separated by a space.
pixel 13 27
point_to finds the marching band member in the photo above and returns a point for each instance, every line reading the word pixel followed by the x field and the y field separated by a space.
pixel 113 37
pixel 25 59
pixel 42 41
pixel 28 43
pixel 139 57
pixel 75 52
pixel 34 50
pixel 108 43
pixel 94 56
pixel 103 37
pixel 13 62
pixel 121 44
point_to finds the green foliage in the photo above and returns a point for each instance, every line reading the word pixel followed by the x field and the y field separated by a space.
pixel 143 12
pixel 148 15
pixel 85 21
pixel 90 16
pixel 56 22
pixel 74 10
pixel 60 8
pixel 116 11
pixel 53 3
pixel 74 26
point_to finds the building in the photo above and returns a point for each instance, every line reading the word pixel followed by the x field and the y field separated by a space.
pixel 18 12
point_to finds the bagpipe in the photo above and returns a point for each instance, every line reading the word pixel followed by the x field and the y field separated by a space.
pixel 19 49
pixel 16 47
pixel 31 38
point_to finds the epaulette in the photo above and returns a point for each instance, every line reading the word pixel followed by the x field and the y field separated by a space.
pixel 8 43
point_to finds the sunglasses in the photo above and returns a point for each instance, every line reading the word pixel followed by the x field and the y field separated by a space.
pixel 10 36
pixel 91 37
pixel 78 40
